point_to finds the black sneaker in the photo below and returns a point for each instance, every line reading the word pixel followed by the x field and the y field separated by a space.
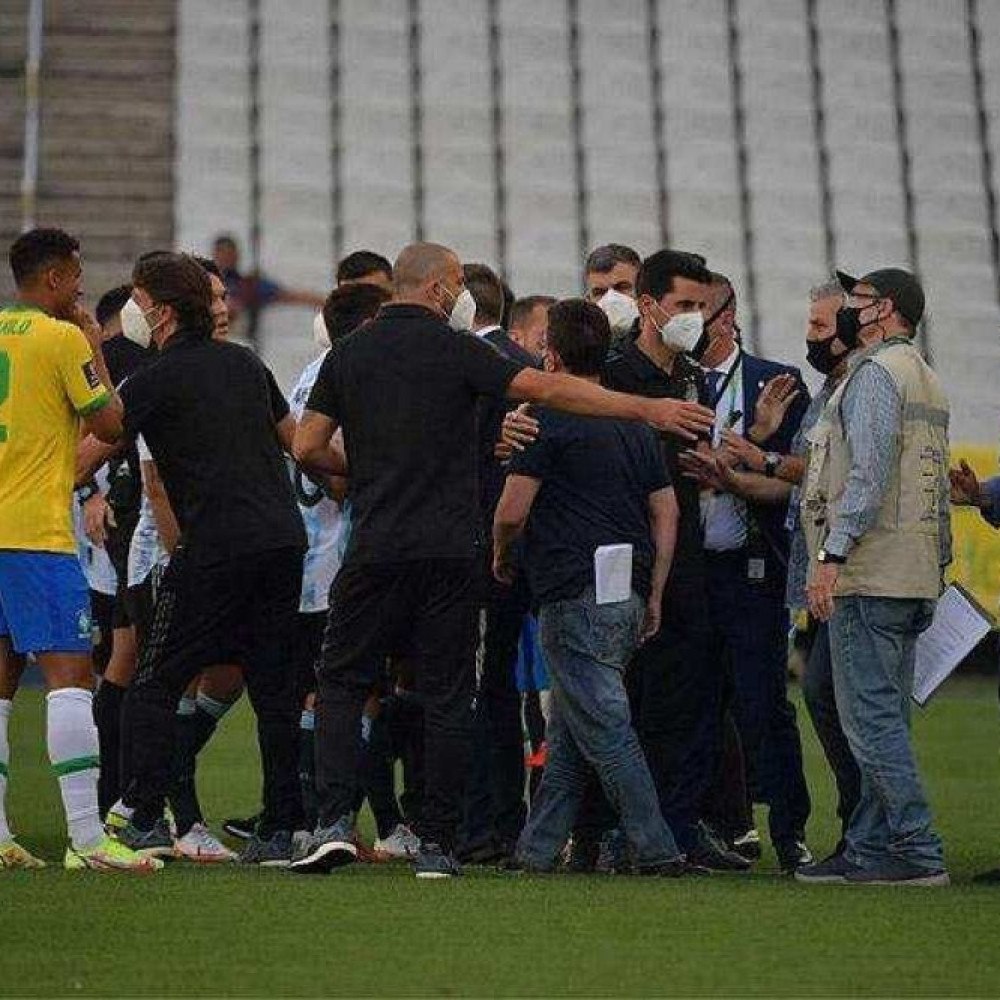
pixel 834 870
pixel 583 856
pixel 992 877
pixel 329 848
pixel 433 862
pixel 748 845
pixel 242 829
pixel 678 867
pixel 899 873
pixel 155 843
pixel 274 852
pixel 793 856
pixel 710 852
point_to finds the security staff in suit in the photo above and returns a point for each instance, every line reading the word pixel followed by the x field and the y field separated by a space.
pixel 495 808
pixel 746 556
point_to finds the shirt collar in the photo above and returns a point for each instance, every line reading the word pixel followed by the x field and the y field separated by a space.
pixel 487 330
pixel 725 367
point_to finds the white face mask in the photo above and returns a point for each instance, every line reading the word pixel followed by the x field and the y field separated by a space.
pixel 682 331
pixel 620 309
pixel 463 312
pixel 135 326
pixel 321 335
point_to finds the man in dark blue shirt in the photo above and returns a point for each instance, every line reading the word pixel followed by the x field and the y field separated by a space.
pixel 588 483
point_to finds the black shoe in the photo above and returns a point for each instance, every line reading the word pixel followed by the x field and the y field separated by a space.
pixel 793 856
pixel 710 852
pixel 992 877
pixel 748 845
pixel 329 848
pixel 515 866
pixel 242 829
pixel 435 863
pixel 274 852
pixel 678 867
pixel 583 855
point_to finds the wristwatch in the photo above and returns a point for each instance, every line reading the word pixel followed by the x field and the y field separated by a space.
pixel 87 491
pixel 771 462
pixel 828 557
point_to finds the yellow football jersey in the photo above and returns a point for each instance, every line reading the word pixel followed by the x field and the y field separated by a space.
pixel 47 380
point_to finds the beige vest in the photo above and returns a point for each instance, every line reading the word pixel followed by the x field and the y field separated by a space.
pixel 900 555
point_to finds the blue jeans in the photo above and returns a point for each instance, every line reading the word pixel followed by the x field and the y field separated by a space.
pixel 873 645
pixel 586 647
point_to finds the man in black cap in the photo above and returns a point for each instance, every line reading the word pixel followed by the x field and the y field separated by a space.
pixel 876 517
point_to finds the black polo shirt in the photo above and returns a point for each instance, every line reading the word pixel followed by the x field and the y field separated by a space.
pixel 596 478
pixel 208 410
pixel 404 388
pixel 633 372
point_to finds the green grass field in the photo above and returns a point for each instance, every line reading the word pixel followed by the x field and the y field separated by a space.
pixel 376 930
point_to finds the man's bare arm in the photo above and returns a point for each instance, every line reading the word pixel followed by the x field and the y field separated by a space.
pixel 512 512
pixel 163 514
pixel 313 446
pixel 91 454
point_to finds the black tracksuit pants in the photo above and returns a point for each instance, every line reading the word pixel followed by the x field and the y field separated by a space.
pixel 241 610
pixel 428 607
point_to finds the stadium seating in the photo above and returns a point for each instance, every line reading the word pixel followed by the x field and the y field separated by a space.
pixel 849 135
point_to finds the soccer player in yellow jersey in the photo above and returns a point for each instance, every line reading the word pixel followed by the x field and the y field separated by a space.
pixel 51 378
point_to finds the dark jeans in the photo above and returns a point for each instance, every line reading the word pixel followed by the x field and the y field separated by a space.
pixel 821 703
pixel 429 608
pixel 238 611
pixel 590 729
pixel 750 619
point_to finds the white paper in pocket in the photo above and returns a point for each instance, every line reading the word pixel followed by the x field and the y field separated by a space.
pixel 613 573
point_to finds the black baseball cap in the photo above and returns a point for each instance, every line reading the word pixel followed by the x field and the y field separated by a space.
pixel 901 287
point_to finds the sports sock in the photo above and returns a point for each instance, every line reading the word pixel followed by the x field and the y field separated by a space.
pixel 108 718
pixel 197 719
pixel 5 707
pixel 307 767
pixel 73 752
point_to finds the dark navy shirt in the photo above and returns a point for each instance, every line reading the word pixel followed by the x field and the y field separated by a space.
pixel 597 475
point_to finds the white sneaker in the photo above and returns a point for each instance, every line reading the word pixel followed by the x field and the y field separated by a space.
pixel 199 844
pixel 402 844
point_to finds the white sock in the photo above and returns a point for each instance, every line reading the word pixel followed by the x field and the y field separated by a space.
pixel 5 707
pixel 74 755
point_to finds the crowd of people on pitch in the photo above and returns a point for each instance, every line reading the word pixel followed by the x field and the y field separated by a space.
pixel 539 556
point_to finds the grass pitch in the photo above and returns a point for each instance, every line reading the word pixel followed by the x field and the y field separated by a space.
pixel 377 930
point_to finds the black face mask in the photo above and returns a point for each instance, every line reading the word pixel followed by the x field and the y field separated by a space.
pixel 698 351
pixel 820 355
pixel 848 326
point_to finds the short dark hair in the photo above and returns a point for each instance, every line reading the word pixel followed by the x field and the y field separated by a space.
pixel 580 334
pixel 603 258
pixel 360 264
pixel 523 308
pixel 487 290
pixel 179 281
pixel 224 239
pixel 38 249
pixel 207 264
pixel 656 276
pixel 347 307
pixel 111 303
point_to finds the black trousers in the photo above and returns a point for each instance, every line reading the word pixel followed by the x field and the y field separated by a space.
pixel 675 683
pixel 429 608
pixel 240 611
pixel 818 692
pixel 750 618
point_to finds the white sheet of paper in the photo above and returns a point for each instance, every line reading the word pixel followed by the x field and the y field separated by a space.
pixel 959 624
pixel 613 573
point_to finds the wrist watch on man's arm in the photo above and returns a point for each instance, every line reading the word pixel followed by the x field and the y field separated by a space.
pixel 828 557
pixel 772 460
